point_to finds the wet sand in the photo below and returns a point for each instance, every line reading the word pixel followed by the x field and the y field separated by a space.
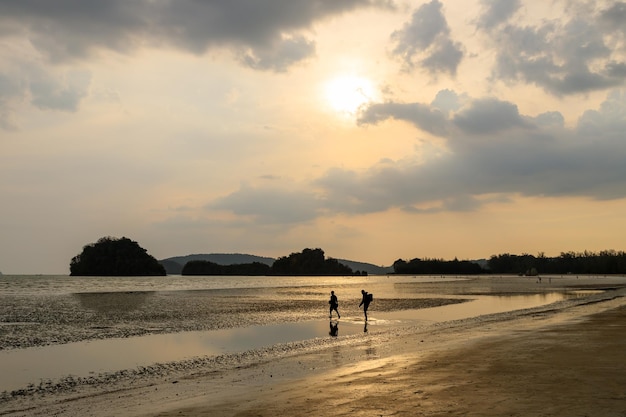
pixel 565 359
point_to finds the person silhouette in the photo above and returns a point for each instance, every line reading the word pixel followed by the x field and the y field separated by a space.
pixel 334 328
pixel 333 305
pixel 365 302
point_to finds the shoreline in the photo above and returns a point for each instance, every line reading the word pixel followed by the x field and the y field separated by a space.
pixel 308 379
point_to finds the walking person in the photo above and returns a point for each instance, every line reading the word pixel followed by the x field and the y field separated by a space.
pixel 365 302
pixel 333 305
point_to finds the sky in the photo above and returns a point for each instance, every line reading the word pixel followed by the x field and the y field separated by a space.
pixel 376 130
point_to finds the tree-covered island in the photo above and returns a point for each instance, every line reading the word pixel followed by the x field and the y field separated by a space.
pixel 115 257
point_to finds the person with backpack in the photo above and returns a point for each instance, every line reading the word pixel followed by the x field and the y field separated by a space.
pixel 365 302
pixel 333 305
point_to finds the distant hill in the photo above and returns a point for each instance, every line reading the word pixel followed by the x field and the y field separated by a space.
pixel 371 269
pixel 174 265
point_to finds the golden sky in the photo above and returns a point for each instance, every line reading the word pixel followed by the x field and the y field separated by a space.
pixel 372 129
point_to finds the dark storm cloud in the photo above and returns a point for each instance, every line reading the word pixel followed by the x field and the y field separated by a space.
pixel 425 41
pixel 577 54
pixel 67 29
pixel 515 154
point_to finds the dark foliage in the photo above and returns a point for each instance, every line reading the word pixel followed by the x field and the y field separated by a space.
pixel 211 268
pixel 115 257
pixel 436 267
pixel 309 262
pixel 604 262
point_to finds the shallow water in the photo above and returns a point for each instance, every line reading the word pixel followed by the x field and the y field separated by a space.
pixel 35 365
pixel 39 364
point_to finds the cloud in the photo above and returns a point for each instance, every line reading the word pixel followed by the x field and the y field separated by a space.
pixel 10 90
pixel 281 56
pixel 270 205
pixel 476 117
pixel 614 16
pixel 70 29
pixel 60 94
pixel 516 155
pixel 579 53
pixel 423 116
pixel 488 116
pixel 609 122
pixel 448 100
pixel 549 119
pixel 425 41
pixel 496 12
pixel 46 89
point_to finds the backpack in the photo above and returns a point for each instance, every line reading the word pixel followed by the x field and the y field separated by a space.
pixel 370 297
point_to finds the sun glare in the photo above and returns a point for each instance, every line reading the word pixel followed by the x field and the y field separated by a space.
pixel 347 93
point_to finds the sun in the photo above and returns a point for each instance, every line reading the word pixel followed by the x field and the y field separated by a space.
pixel 347 93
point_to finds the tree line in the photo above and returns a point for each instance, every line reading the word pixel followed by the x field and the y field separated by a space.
pixel 601 263
pixel 436 267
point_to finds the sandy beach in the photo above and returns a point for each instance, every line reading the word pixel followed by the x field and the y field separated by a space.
pixel 562 359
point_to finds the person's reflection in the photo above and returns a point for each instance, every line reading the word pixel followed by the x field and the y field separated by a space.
pixel 365 328
pixel 334 328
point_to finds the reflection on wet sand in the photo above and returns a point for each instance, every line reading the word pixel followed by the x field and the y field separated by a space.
pixel 334 328
pixel 83 358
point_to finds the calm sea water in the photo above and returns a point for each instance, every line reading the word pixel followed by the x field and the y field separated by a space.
pixel 64 284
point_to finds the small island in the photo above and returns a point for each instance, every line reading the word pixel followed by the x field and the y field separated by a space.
pixel 115 257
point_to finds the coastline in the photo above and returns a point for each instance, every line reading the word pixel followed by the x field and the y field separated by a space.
pixel 490 365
